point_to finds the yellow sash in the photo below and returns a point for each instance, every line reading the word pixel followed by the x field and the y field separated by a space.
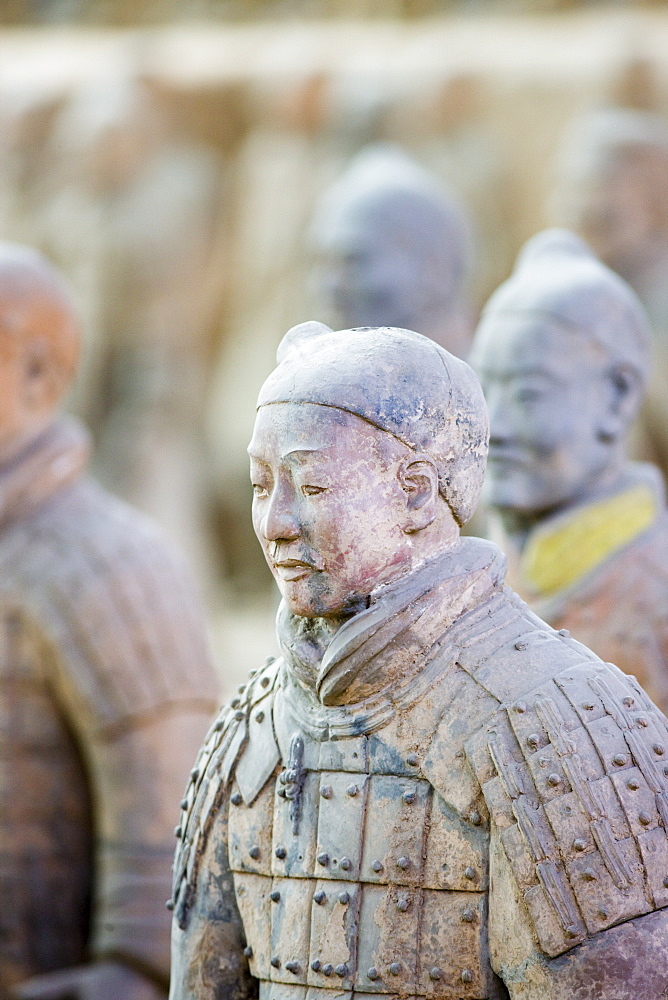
pixel 558 557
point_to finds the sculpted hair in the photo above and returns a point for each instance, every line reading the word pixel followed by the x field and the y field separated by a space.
pixel 558 276
pixel 401 382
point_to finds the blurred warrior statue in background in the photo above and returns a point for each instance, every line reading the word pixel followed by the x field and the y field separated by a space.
pixel 391 248
pixel 563 353
pixel 106 684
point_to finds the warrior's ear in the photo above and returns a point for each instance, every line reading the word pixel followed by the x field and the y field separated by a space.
pixel 624 393
pixel 418 476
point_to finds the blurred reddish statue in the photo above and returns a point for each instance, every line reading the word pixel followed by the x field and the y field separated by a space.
pixel 563 355
pixel 431 793
pixel 105 679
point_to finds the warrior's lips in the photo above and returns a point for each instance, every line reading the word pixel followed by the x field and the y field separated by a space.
pixel 293 569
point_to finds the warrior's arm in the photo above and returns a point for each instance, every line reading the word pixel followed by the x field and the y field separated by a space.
pixel 622 963
pixel 208 961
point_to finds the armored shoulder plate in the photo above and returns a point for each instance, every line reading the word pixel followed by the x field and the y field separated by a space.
pixel 574 777
pixel 216 763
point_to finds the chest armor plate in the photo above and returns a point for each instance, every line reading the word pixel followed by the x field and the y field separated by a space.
pixel 354 877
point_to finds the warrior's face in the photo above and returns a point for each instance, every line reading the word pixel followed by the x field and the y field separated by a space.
pixel 549 392
pixel 329 508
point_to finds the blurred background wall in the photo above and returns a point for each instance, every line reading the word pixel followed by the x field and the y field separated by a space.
pixel 168 156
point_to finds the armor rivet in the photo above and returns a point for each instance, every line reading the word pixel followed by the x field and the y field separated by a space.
pixel 346 864
pixel 377 866
pixel 194 774
pixel 468 916
pixel 589 875
pixel 395 968
pixel 403 905
pixel 587 705
pixel 326 791
pixel 533 740
pixel 475 817
pixel 268 662
pixel 254 852
pixel 554 780
pixel 642 722
pixel 252 673
pixel 274 896
pixel 259 717
pixel 236 799
pixel 403 863
pixel 469 872
pixel 292 967
pixel 275 962
pixel 466 976
pixel 320 896
pixel 344 897
pixel 435 973
pixel 579 844
pixel 235 702
pixel 564 631
pixel 520 644
pixel 543 761
pixel 177 831
pixel 572 931
pixel 341 971
pixel 603 914
pixel 238 715
pixel 327 970
pixel 409 797
pixel 412 759
pixel 315 965
pixel 633 784
pixel 665 770
pixel 644 818
pixel 659 749
pixel 520 708
pixel 248 951
pixel 184 803
pixel 372 974
pixel 352 790
pixel 218 725
pixel 264 681
pixel 619 759
pixel 665 882
pixel 628 701
pixel 170 904
pixel 323 859
pixel 280 853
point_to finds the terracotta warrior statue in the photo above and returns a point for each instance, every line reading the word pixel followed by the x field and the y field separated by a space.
pixel 430 793
pixel 611 187
pixel 391 247
pixel 105 682
pixel 562 351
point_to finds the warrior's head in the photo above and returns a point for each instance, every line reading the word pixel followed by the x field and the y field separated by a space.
pixel 391 246
pixel 562 352
pixel 39 345
pixel 368 454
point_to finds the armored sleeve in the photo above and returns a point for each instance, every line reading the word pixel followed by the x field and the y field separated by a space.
pixel 209 958
pixel 575 779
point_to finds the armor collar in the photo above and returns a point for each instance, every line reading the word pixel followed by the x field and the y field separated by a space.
pixel 353 681
pixel 46 465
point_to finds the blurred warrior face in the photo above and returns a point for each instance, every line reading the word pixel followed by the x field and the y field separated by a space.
pixel 366 273
pixel 548 391
pixel 328 508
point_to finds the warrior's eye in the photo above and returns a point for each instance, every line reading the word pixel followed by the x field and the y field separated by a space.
pixel 313 491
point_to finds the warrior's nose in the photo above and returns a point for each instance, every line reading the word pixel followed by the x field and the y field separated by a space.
pixel 280 521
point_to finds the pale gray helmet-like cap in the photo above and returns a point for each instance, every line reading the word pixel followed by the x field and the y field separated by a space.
pixel 558 276
pixel 401 382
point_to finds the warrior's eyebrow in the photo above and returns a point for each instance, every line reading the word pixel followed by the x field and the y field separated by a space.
pixel 296 453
